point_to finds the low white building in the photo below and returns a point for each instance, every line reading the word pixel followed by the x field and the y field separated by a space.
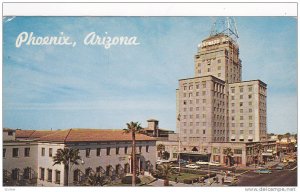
pixel 28 159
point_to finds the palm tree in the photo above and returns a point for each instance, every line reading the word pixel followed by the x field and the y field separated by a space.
pixel 228 152
pixel 160 148
pixel 259 150
pixel 133 128
pixel 164 172
pixel 68 157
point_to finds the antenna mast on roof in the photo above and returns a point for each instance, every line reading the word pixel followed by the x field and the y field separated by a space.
pixel 226 26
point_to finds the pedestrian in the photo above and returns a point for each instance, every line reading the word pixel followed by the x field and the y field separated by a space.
pixel 222 180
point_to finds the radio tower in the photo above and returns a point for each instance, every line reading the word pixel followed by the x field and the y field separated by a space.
pixel 226 26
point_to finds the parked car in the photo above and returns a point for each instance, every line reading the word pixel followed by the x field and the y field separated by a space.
pixel 158 162
pixel 193 166
pixel 291 160
pixel 214 163
pixel 278 167
pixel 182 162
pixel 263 171
pixel 202 163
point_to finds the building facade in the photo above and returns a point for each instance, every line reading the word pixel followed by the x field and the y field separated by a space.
pixel 216 105
pixel 28 160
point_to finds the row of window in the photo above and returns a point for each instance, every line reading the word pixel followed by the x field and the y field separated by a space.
pixel 241 104
pixel 190 87
pixel 241 124
pixel 16 152
pixel 241 131
pixel 27 173
pixel 108 151
pixel 242 117
pixel 49 175
pixel 241 97
pixel 191 131
pixel 241 89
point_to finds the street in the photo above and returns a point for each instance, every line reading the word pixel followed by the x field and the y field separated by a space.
pixel 276 178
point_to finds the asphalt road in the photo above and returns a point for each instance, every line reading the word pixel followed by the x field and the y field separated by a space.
pixel 276 178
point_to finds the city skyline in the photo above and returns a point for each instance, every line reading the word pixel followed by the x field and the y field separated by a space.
pixel 93 87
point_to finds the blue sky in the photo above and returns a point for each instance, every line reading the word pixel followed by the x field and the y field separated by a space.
pixel 63 87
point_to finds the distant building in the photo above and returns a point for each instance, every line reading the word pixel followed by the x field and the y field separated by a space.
pixel 28 159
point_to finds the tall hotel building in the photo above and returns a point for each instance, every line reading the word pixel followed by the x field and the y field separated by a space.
pixel 216 105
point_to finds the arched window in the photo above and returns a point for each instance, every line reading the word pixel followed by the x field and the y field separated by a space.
pixel 15 174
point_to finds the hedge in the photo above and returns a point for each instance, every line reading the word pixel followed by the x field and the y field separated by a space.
pixel 128 180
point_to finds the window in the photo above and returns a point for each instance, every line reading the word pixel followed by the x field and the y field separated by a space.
pixel 191 123
pixel 249 96
pixel 57 177
pixel 87 152
pixel 147 148
pixel 140 149
pixel 250 117
pixel 250 110
pixel 250 131
pixel 232 104
pixel 208 69
pixel 250 89
pixel 98 152
pixel 219 74
pixel 125 150
pixel 241 117
pixel 204 123
pixel 43 151
pixel 219 61
pixel 191 101
pixel 88 171
pixel 190 94
pixel 203 132
pixel 232 90
pixel 204 84
pixel 27 173
pixel 241 131
pixel 241 96
pixel 233 131
pixel 250 103
pixel 232 97
pixel 203 93
pixel 117 150
pixel 232 118
pixel 107 150
pixel 204 100
pixel 241 124
pixel 241 104
pixel 237 151
pixel 4 152
pixel 241 89
pixel 15 152
pixel 26 152
pixel 197 108
pixel 49 175
pixel 15 174
pixel 241 110
pixel 197 93
pixel 184 88
pixel 108 170
pixel 10 133
pixel 50 152
pixel 42 171
pixel 250 124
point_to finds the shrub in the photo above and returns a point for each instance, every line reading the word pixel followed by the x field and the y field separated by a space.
pixel 128 180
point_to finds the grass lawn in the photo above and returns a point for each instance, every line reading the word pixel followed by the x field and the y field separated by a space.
pixel 183 176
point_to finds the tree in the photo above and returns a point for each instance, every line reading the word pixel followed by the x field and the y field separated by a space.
pixel 164 171
pixel 133 128
pixel 68 157
pixel 94 179
pixel 228 152
pixel 160 148
pixel 259 150
pixel 166 155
